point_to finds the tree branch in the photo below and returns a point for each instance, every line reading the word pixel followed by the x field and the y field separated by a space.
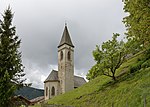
pixel 107 75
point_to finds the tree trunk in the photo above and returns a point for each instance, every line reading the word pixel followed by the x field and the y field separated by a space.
pixel 113 76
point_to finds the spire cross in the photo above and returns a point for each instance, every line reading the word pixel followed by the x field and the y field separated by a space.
pixel 65 23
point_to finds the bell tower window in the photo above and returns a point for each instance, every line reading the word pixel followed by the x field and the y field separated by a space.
pixel 69 55
pixel 61 55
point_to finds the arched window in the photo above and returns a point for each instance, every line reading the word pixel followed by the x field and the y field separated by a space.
pixel 61 55
pixel 46 91
pixel 53 91
pixel 69 55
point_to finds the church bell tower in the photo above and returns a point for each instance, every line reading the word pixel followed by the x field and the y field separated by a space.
pixel 66 62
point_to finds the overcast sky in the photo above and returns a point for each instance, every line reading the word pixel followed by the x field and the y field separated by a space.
pixel 40 24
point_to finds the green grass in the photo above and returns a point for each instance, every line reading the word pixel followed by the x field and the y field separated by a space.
pixel 129 90
pixel 126 66
pixel 36 105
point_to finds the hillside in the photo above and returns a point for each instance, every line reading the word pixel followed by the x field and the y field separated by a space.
pixel 30 92
pixel 132 89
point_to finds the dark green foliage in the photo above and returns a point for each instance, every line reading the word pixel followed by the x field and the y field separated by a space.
pixel 133 46
pixel 147 53
pixel 146 60
pixel 136 67
pixel 138 21
pixel 29 92
pixel 142 62
pixel 11 68
pixel 146 64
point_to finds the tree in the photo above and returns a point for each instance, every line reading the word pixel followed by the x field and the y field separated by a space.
pixel 11 68
pixel 94 71
pixel 108 59
pixel 138 21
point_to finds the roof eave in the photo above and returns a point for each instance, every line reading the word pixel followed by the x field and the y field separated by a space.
pixel 66 44
pixel 51 81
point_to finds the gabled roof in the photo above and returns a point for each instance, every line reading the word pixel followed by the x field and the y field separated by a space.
pixel 37 99
pixel 53 76
pixel 24 100
pixel 78 81
pixel 65 38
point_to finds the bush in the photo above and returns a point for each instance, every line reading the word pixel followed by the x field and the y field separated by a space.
pixel 147 55
pixel 136 67
pixel 146 64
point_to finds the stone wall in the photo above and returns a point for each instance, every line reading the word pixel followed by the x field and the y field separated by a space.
pixel 49 86
pixel 66 68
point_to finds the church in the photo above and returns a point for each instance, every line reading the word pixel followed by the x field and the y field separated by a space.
pixel 63 80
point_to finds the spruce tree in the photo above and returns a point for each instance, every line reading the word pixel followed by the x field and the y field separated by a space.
pixel 11 68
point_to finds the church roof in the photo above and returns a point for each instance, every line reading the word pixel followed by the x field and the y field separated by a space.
pixel 53 76
pixel 65 38
pixel 78 81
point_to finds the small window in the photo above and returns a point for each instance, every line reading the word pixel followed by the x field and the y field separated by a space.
pixel 46 91
pixel 69 55
pixel 61 55
pixel 53 91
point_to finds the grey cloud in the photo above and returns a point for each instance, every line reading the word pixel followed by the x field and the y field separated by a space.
pixel 40 25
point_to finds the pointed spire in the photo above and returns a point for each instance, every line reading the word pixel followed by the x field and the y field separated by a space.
pixel 65 38
pixel 65 23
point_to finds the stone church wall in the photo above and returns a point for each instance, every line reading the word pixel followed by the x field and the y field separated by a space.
pixel 66 68
pixel 48 92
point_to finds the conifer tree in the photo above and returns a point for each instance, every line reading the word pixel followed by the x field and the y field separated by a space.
pixel 11 68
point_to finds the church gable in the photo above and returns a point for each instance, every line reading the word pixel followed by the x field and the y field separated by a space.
pixel 53 76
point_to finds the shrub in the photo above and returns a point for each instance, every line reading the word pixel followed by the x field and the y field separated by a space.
pixel 147 55
pixel 146 64
pixel 136 67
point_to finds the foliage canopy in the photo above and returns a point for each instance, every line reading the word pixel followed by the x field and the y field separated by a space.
pixel 108 58
pixel 138 21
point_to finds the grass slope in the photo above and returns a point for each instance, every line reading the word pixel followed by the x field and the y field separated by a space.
pixel 129 91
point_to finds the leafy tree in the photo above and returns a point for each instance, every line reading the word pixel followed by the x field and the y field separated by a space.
pixel 108 59
pixel 11 68
pixel 138 21
pixel 94 71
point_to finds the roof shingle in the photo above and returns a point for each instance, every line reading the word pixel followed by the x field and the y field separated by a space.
pixel 52 76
